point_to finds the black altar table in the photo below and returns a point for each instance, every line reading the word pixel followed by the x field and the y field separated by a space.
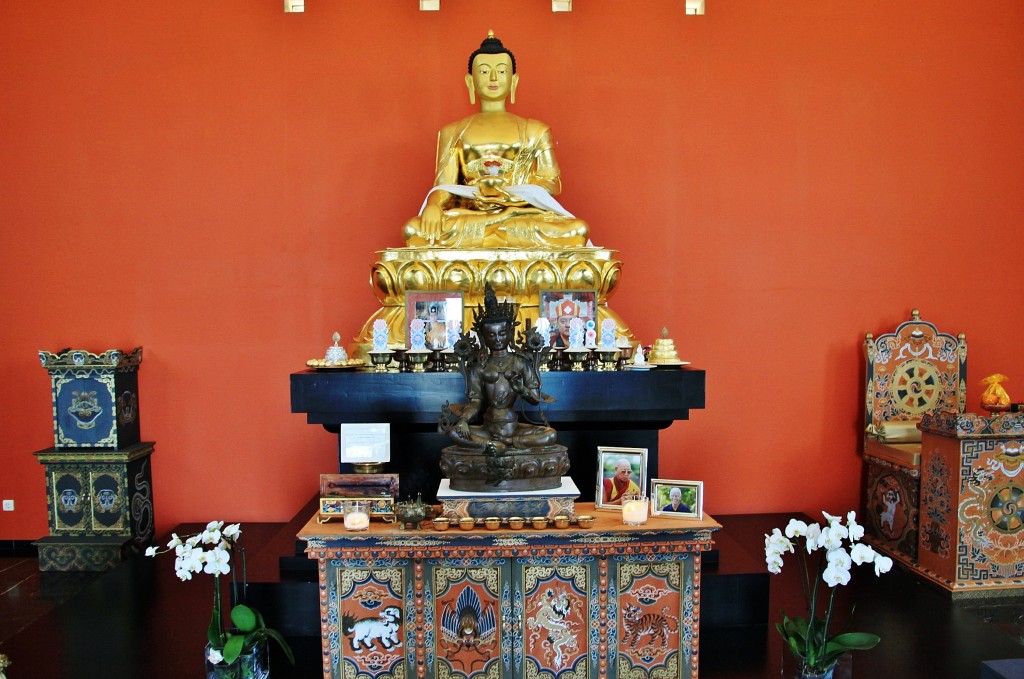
pixel 591 409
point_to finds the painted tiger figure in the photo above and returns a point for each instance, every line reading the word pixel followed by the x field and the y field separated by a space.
pixel 657 626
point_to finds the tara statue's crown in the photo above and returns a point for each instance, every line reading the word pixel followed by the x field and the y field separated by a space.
pixel 494 311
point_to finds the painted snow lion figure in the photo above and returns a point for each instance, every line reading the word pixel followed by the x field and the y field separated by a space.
pixel 365 630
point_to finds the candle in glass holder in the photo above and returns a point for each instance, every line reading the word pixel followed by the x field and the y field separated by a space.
pixel 357 515
pixel 634 511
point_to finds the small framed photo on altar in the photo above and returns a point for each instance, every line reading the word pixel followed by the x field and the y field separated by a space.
pixel 680 499
pixel 556 311
pixel 440 320
pixel 620 472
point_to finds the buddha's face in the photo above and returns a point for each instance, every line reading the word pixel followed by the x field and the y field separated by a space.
pixel 492 78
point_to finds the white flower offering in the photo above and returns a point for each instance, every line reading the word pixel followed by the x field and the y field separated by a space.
pixel 576 329
pixel 380 335
pixel 608 334
pixel 543 328
pixel 417 335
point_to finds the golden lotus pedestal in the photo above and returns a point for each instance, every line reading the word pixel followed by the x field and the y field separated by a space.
pixel 516 274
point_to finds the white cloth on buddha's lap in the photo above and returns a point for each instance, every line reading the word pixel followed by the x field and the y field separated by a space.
pixel 535 195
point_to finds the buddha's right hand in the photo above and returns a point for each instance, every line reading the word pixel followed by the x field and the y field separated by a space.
pixel 430 223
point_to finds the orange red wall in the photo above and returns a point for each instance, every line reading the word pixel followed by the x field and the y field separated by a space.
pixel 211 181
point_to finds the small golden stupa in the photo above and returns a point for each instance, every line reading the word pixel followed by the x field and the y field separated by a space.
pixel 664 351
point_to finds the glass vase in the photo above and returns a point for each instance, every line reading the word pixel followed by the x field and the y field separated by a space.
pixel 254 664
pixel 794 668
pixel 804 672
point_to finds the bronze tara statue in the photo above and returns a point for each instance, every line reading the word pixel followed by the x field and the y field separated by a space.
pixel 493 449
pixel 496 172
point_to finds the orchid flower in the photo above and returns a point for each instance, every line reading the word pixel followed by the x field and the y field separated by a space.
pixel 840 550
pixel 209 551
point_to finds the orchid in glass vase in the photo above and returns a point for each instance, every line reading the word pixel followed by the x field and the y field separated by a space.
pixel 210 552
pixel 838 549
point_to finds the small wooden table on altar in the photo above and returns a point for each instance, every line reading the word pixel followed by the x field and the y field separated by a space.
pixel 607 601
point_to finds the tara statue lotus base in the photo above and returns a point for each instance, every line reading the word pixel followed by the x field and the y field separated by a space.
pixel 518 469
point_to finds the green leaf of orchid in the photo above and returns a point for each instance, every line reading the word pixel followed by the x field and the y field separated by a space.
pixel 233 648
pixel 244 618
pixel 852 641
pixel 213 631
pixel 795 647
pixel 796 627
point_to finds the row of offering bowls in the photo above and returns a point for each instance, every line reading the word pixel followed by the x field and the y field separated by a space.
pixel 556 360
pixel 513 522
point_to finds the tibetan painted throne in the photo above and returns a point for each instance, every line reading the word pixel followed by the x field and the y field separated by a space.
pixel 911 371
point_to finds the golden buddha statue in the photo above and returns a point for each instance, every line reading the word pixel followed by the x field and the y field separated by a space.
pixel 492 216
pixel 496 174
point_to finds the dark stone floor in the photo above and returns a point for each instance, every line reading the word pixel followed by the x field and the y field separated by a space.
pixel 140 621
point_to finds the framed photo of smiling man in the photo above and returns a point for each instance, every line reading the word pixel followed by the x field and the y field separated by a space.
pixel 679 499
pixel 620 472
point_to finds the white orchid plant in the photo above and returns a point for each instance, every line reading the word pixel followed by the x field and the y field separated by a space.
pixel 838 549
pixel 210 552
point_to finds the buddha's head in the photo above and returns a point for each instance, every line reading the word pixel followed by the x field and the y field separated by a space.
pixel 492 72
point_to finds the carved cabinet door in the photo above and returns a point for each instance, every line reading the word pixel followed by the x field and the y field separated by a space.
pixel 467 629
pixel 653 608
pixel 372 620
pixel 557 613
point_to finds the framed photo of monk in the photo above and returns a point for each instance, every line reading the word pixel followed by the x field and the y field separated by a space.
pixel 620 472
pixel 677 499
pixel 441 316
pixel 560 307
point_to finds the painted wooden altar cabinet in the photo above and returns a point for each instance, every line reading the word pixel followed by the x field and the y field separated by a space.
pixel 608 601
pixel 971 538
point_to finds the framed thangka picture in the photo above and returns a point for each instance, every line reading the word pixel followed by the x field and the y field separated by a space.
pixel 620 472
pixel 440 320
pixel 681 499
pixel 568 317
